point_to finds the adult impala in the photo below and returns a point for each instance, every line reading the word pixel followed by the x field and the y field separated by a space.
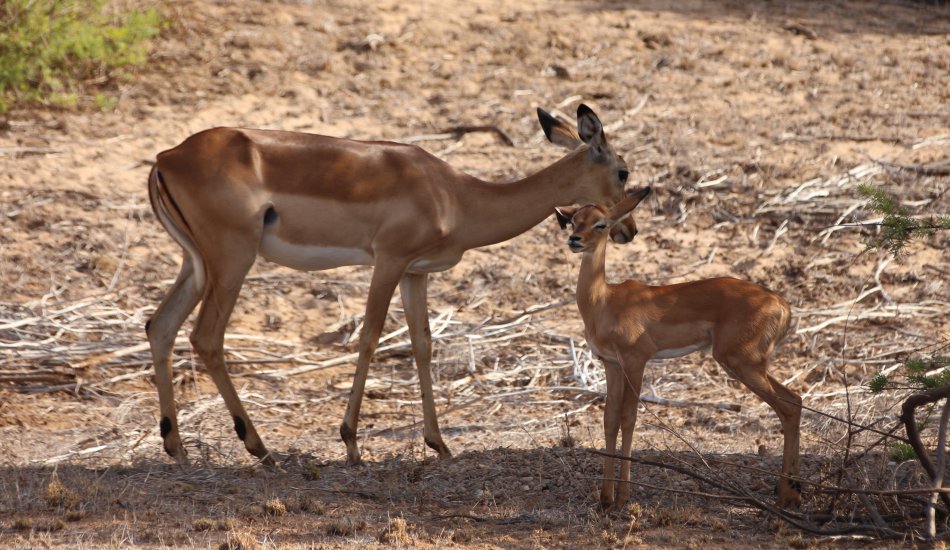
pixel 629 323
pixel 311 202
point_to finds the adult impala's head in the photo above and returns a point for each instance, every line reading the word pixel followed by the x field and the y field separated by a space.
pixel 605 172
pixel 593 222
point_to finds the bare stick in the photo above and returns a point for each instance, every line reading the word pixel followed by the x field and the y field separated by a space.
pixel 30 151
pixel 934 169
pixel 457 132
pixel 908 417
pixel 690 404
pixel 941 464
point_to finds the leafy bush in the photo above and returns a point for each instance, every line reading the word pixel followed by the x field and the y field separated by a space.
pixel 48 47
pixel 898 226
pixel 920 373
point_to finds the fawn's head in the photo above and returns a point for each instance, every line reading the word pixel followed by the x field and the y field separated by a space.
pixel 592 223
pixel 605 172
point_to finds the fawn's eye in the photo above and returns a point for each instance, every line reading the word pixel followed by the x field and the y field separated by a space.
pixel 600 226
pixel 623 175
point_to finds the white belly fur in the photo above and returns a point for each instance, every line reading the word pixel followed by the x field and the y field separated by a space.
pixel 433 265
pixel 662 354
pixel 679 352
pixel 311 258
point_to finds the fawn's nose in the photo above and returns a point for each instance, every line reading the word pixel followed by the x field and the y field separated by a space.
pixel 574 243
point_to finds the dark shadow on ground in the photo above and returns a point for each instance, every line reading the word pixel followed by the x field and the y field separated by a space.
pixel 546 495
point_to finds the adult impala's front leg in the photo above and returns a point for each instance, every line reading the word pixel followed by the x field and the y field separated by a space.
pixel 162 329
pixel 413 289
pixel 386 276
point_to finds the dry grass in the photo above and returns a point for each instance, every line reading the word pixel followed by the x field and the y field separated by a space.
pixel 396 533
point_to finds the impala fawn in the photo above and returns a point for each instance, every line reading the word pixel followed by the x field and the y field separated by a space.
pixel 629 323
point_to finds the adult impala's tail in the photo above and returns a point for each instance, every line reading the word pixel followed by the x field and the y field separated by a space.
pixel 171 218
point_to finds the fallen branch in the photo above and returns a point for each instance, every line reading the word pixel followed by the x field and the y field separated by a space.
pixel 30 150
pixel 840 137
pixel 457 132
pixel 24 378
pixel 933 169
pixel 799 29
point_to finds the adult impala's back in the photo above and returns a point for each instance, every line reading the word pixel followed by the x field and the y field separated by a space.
pixel 312 202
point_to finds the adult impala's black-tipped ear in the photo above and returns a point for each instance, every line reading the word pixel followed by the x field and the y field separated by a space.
pixel 547 122
pixel 589 127
pixel 564 216
pixel 558 132
pixel 590 130
pixel 583 110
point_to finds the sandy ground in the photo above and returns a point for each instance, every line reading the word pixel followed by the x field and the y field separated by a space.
pixel 755 122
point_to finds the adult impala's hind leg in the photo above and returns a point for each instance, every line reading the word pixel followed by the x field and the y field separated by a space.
pixel 413 289
pixel 162 329
pixel 221 292
pixel 788 406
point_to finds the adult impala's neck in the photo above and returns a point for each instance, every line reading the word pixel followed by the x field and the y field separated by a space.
pixel 592 282
pixel 500 211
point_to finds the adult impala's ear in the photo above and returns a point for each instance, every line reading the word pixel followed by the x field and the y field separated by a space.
pixel 626 206
pixel 590 129
pixel 558 132
pixel 564 215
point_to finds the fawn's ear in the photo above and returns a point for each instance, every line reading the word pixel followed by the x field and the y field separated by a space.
pixel 558 132
pixel 564 215
pixel 590 129
pixel 626 206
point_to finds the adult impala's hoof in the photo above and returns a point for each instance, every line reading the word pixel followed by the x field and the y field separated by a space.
pixel 174 449
pixel 265 457
pixel 182 460
pixel 353 457
pixel 348 435
pixel 180 456
pixel 790 495
pixel 440 448
pixel 791 501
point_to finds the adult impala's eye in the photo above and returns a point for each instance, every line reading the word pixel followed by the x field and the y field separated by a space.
pixel 623 175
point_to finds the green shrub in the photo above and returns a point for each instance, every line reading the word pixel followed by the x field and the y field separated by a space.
pixel 898 226
pixel 902 452
pixel 48 47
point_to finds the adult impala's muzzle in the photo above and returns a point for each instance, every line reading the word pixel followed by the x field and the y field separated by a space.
pixel 622 233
